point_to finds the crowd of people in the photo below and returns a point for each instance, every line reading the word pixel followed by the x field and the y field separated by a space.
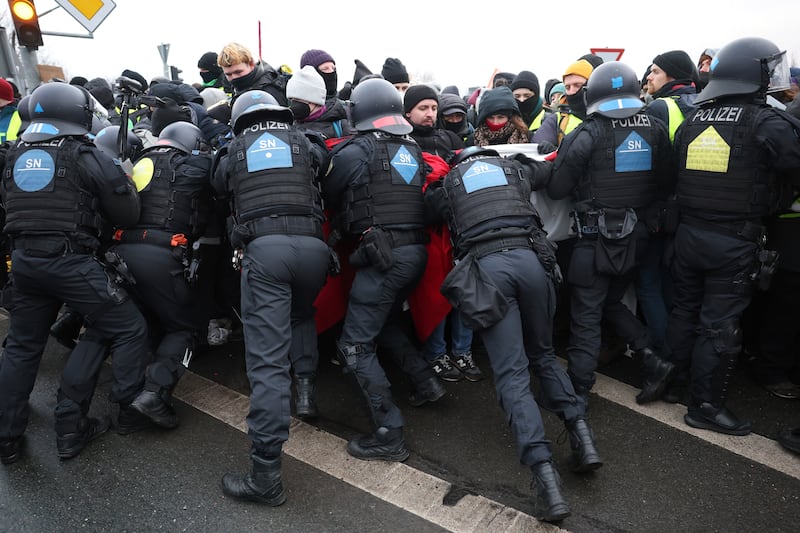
pixel 412 220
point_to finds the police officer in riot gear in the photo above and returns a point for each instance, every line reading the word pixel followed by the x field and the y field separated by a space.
pixel 498 235
pixel 730 152
pixel 270 173
pixel 374 185
pixel 614 165
pixel 173 178
pixel 58 190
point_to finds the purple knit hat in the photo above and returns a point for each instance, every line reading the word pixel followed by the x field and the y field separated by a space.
pixel 315 58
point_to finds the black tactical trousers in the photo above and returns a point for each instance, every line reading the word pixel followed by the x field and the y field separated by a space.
pixel 373 297
pixel 170 306
pixel 113 324
pixel 281 278
pixel 593 297
pixel 523 339
pixel 710 273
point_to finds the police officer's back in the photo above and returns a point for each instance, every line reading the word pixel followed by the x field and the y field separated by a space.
pixel 270 172
pixel 613 164
pixel 730 152
pixel 173 180
pixel 58 190
pixel 374 184
pixel 503 252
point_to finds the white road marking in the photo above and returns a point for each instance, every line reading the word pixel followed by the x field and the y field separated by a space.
pixel 399 484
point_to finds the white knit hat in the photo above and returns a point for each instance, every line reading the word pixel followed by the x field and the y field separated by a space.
pixel 306 85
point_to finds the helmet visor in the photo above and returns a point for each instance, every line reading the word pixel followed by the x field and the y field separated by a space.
pixel 778 69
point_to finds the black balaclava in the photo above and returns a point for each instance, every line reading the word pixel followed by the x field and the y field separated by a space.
pixel 209 76
pixel 577 104
pixel 246 81
pixel 331 83
pixel 527 107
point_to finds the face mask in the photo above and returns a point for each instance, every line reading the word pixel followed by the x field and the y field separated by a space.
pixel 577 105
pixel 330 83
pixel 496 127
pixel 527 106
pixel 245 82
pixel 300 110
pixel 208 76
pixel 455 127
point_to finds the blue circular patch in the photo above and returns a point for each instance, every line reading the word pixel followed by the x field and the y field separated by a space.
pixel 34 170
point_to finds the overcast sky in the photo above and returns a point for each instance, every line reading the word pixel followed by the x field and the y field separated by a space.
pixel 452 43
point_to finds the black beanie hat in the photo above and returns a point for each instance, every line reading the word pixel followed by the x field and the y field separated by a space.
pixel 593 59
pixel 101 90
pixel 394 71
pixel 208 61
pixel 677 64
pixel 497 101
pixel 417 93
pixel 526 79
pixel 79 81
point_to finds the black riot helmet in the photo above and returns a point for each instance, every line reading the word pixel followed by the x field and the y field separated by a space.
pixel 57 110
pixel 24 112
pixel 106 140
pixel 750 65
pixel 184 136
pixel 376 105
pixel 253 106
pixel 613 91
pixel 472 152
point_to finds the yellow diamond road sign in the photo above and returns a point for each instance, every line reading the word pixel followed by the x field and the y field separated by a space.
pixel 90 13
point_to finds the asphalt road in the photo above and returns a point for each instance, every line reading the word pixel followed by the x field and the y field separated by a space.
pixel 659 475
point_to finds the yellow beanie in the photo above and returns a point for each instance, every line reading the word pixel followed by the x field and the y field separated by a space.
pixel 580 68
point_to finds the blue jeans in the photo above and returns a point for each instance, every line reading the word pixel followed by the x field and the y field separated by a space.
pixel 654 290
pixel 460 338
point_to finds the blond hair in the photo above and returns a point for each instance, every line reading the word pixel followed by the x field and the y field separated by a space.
pixel 233 54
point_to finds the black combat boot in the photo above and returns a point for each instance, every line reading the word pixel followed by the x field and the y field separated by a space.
pixel 656 373
pixel 677 389
pixel 71 444
pixel 550 503
pixel 383 445
pixel 584 454
pixel 719 419
pixel 67 328
pixel 130 421
pixel 306 405
pixel 428 390
pixel 9 450
pixel 261 485
pixel 157 406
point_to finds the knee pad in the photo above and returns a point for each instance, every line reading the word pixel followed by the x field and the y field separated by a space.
pixel 348 353
pixel 726 337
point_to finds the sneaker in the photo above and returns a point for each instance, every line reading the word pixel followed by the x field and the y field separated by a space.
pixel 786 390
pixel 445 370
pixel 465 364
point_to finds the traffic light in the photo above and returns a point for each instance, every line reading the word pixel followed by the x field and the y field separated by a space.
pixel 26 23
pixel 175 73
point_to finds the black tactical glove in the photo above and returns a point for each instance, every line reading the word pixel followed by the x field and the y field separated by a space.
pixel 545 147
